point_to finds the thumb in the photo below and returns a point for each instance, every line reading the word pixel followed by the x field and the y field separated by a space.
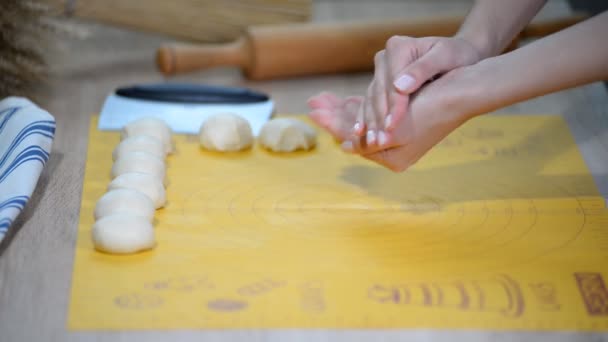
pixel 417 73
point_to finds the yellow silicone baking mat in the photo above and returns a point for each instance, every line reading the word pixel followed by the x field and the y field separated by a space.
pixel 499 227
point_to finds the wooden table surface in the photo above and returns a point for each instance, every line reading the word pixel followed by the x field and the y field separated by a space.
pixel 36 262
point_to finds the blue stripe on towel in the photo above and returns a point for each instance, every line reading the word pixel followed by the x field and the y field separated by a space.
pixel 14 202
pixel 4 224
pixel 6 115
pixel 17 153
pixel 31 153
pixel 44 128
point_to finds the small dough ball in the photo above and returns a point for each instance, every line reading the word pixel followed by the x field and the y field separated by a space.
pixel 145 183
pixel 287 135
pixel 140 143
pixel 142 162
pixel 150 126
pixel 123 234
pixel 124 201
pixel 226 132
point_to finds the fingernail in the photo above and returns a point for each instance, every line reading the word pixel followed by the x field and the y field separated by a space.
pixel 404 82
pixel 382 138
pixel 347 145
pixel 370 137
pixel 357 127
pixel 388 120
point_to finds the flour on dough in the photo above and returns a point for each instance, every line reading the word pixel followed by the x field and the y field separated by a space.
pixel 287 135
pixel 124 201
pixel 142 162
pixel 150 126
pixel 226 132
pixel 123 234
pixel 140 143
pixel 145 183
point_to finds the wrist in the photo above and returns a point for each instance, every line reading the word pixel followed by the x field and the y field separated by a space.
pixel 464 95
pixel 479 40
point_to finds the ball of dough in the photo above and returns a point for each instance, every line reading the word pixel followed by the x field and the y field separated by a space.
pixel 287 135
pixel 124 201
pixel 145 183
pixel 226 132
pixel 150 126
pixel 123 234
pixel 141 162
pixel 140 143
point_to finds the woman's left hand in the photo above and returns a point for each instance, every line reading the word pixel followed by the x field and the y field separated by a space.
pixel 433 113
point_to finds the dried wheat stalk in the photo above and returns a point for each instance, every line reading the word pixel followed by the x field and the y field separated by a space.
pixel 22 40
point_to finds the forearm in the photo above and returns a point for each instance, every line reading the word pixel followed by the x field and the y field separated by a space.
pixel 572 57
pixel 491 25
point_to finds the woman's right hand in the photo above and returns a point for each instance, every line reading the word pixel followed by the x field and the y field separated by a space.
pixel 433 113
pixel 400 70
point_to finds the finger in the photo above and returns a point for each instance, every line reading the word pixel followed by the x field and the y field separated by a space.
pixel 350 112
pixel 322 117
pixel 397 110
pixel 375 108
pixel 412 77
pixel 359 124
pixel 354 145
pixel 377 113
pixel 400 52
pixel 354 100
pixel 339 120
pixel 324 100
pixel 346 120
pixel 371 135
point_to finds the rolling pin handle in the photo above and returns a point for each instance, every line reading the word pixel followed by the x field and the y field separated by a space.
pixel 178 58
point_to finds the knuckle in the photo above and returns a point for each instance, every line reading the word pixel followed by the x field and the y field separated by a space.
pixel 395 42
pixel 379 56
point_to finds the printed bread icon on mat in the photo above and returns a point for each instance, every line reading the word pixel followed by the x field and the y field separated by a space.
pixel 226 132
pixel 287 135
pixel 125 213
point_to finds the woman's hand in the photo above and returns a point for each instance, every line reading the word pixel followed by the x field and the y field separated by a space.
pixel 334 114
pixel 433 113
pixel 401 69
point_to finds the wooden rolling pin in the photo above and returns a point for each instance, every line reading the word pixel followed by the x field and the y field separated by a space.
pixel 267 52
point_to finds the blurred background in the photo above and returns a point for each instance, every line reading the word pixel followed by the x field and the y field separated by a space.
pixel 91 47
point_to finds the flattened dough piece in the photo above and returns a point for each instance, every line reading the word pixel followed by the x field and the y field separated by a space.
pixel 145 183
pixel 123 234
pixel 140 143
pixel 124 201
pixel 287 135
pixel 150 126
pixel 226 132
pixel 142 162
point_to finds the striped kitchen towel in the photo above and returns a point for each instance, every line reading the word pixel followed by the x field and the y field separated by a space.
pixel 26 138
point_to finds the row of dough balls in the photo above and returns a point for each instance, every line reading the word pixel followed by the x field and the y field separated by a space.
pixel 227 132
pixel 124 214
